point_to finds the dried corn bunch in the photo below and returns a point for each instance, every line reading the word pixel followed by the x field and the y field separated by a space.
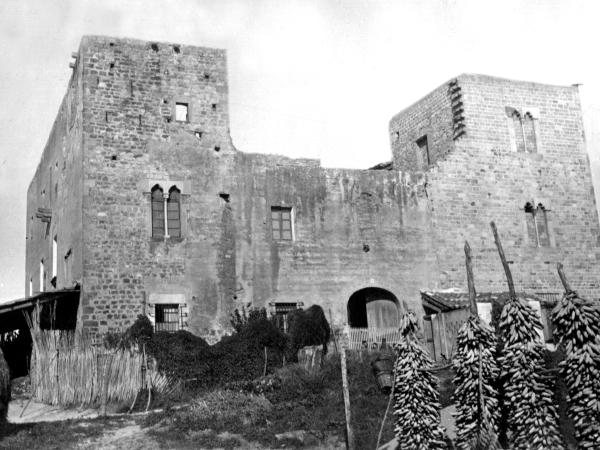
pixel 476 373
pixel 577 328
pixel 476 398
pixel 533 418
pixel 416 399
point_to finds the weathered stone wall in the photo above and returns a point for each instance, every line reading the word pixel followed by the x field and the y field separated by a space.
pixel 484 178
pixel 56 186
pixel 401 230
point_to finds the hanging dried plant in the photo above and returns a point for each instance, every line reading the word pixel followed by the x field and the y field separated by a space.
pixel 416 399
pixel 476 373
pixel 577 329
pixel 533 418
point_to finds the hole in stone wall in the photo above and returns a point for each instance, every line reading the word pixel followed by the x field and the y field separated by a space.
pixel 206 75
pixel 217 148
pixel 106 116
pixel 112 44
pixel 214 106
pixel 224 196
pixel 235 297
pixel 154 46
pixel 176 48
pixel 140 120
pixel 198 134
pixel 168 120
pixel 165 101
pixel 113 157
pixel 366 248
pixel 112 66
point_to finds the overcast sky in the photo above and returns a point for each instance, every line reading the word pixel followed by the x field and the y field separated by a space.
pixel 307 78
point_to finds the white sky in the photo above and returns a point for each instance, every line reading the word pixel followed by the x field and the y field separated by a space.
pixel 307 78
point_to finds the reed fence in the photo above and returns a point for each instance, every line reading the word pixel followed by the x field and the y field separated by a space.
pixel 372 338
pixel 67 369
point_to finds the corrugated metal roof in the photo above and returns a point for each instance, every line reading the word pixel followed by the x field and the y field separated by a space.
pixel 449 301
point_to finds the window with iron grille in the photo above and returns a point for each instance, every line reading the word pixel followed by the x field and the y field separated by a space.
pixel 166 317
pixel 281 223
pixel 281 311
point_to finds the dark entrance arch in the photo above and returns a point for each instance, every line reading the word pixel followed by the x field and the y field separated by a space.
pixel 373 308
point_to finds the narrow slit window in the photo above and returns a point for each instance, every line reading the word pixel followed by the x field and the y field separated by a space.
pixel 281 223
pixel 54 256
pixel 42 276
pixel 182 112
pixel 424 155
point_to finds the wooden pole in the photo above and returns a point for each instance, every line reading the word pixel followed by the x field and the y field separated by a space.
pixel 563 278
pixel 104 392
pixel 470 280
pixel 265 367
pixel 509 279
pixel 349 431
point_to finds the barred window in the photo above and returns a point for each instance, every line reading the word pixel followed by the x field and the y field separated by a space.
pixel 167 317
pixel 281 223
pixel 158 212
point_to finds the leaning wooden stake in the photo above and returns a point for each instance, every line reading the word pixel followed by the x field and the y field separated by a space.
pixel 533 418
pixel 470 281
pixel 563 279
pixel 509 279
pixel 349 431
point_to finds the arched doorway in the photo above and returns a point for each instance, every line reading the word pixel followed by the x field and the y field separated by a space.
pixel 373 308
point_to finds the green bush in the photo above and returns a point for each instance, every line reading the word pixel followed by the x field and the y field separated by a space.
pixel 4 389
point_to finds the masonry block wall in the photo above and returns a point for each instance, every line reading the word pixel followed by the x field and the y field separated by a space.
pixel 144 119
pixel 54 202
pixel 487 176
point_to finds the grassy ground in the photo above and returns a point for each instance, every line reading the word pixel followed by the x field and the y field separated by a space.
pixel 239 415
pixel 312 403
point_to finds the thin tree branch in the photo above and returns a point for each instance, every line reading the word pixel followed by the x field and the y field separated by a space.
pixel 470 280
pixel 509 279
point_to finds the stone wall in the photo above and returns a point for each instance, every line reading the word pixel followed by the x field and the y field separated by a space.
pixel 401 230
pixel 56 187
pixel 484 178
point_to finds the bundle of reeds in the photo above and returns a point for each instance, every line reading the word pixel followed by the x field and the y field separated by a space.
pixel 577 329
pixel 476 373
pixel 528 392
pixel 4 388
pixel 68 369
pixel 416 399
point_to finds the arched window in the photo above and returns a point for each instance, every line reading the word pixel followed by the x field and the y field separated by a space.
pixel 537 225
pixel 174 212
pixel 158 212
pixel 518 131
pixel 529 134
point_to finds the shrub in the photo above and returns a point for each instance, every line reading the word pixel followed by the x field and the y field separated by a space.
pixel 182 355
pixel 308 327
pixel 4 388
pixel 140 332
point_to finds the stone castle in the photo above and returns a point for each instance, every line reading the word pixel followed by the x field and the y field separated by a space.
pixel 142 200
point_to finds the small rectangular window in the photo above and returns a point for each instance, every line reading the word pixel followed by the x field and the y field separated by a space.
pixel 281 313
pixel 281 223
pixel 30 287
pixel 181 112
pixel 167 317
pixel 42 276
